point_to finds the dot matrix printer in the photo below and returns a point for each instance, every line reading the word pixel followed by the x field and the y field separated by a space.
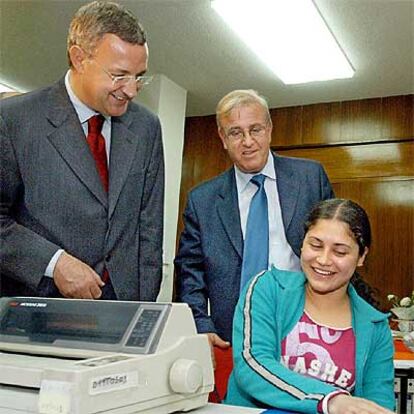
pixel 67 356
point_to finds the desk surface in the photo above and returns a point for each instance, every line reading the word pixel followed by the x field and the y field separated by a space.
pixel 225 409
pixel 231 409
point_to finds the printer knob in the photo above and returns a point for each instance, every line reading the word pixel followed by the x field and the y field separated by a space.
pixel 186 376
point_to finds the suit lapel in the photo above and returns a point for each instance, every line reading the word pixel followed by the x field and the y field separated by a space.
pixel 123 153
pixel 228 211
pixel 288 190
pixel 69 140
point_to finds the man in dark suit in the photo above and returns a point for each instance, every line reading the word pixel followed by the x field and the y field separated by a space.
pixel 82 172
pixel 210 256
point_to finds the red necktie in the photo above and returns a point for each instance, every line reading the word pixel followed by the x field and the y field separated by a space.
pixel 96 143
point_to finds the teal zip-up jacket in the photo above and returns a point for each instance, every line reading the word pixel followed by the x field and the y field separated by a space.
pixel 268 309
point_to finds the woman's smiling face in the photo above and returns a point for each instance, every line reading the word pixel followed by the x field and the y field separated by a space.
pixel 330 255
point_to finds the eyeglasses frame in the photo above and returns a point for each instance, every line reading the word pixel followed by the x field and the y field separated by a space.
pixel 140 80
pixel 242 132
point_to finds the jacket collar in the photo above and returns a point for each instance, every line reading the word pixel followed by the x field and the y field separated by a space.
pixel 68 138
pixel 287 187
pixel 228 210
pixel 359 305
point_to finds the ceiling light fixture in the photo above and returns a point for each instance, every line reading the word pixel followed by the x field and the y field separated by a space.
pixel 289 36
pixel 5 88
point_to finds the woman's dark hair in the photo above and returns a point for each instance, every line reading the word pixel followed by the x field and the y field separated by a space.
pixel 355 216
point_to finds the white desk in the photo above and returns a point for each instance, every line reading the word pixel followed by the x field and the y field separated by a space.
pixel 403 363
pixel 225 409
pixel 207 409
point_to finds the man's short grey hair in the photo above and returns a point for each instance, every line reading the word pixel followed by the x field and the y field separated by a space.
pixel 93 20
pixel 238 98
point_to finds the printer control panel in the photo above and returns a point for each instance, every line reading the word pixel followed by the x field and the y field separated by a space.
pixel 143 328
pixel 145 333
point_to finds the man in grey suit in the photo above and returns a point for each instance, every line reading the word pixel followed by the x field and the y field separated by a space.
pixel 210 255
pixel 80 221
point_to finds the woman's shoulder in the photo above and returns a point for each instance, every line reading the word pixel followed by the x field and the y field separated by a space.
pixel 287 279
pixel 362 307
pixel 275 282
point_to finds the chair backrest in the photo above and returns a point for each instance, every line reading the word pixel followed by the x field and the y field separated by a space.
pixel 224 366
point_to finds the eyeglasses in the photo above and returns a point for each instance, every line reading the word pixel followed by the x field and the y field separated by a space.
pixel 256 132
pixel 123 80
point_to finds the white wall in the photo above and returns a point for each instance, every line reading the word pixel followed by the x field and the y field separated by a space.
pixel 168 100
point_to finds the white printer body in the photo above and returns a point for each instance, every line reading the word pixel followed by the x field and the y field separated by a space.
pixel 65 356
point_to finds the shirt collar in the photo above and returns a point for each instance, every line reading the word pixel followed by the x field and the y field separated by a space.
pixel 243 178
pixel 83 111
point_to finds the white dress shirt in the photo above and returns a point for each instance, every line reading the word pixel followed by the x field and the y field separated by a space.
pixel 281 254
pixel 84 113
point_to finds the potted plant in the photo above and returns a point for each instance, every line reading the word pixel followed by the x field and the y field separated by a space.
pixel 403 309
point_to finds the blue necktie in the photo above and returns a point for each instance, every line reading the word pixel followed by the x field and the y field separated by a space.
pixel 256 241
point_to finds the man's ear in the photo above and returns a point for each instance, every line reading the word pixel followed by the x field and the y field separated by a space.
pixel 222 136
pixel 77 57
pixel 270 131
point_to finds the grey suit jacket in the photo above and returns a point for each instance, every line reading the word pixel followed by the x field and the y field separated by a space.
pixel 209 258
pixel 52 197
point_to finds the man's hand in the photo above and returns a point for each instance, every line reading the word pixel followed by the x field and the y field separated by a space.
pixel 75 279
pixel 345 404
pixel 215 340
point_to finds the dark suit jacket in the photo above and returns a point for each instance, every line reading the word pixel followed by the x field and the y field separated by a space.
pixel 52 197
pixel 209 259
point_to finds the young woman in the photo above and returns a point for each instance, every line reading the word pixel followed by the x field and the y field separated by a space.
pixel 308 342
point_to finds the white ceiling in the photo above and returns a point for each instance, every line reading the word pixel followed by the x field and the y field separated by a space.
pixel 190 45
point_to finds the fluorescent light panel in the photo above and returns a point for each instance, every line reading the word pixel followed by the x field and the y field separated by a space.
pixel 289 36
pixel 5 88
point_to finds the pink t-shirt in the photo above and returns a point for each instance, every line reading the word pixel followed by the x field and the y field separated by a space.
pixel 321 352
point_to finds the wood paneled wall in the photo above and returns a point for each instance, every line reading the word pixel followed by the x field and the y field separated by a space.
pixel 367 149
pixel 366 120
